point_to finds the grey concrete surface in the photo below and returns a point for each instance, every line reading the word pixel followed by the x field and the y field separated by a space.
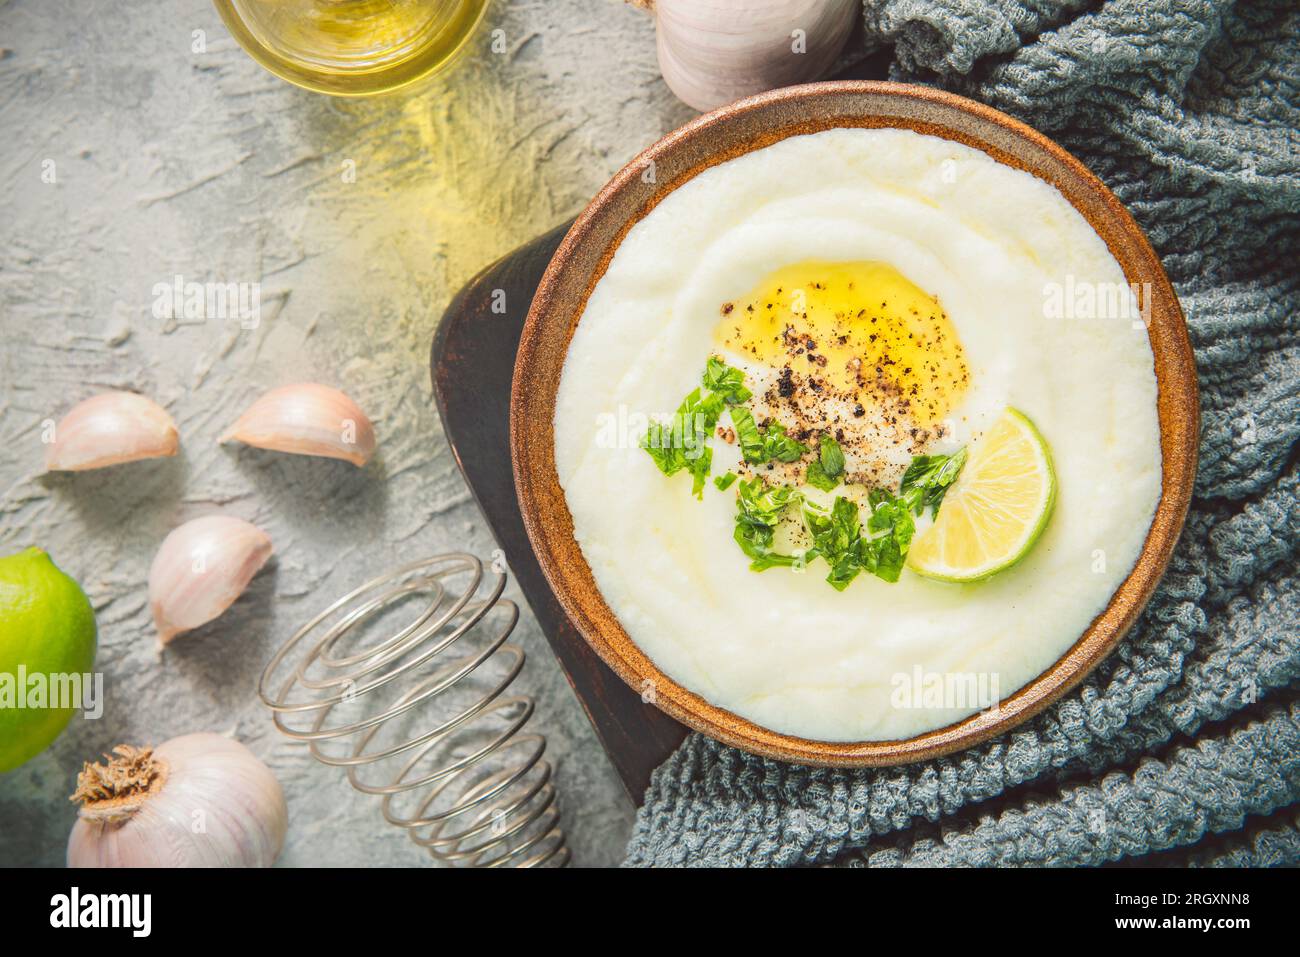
pixel 169 160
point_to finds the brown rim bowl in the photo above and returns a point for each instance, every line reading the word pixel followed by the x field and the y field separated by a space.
pixel 748 125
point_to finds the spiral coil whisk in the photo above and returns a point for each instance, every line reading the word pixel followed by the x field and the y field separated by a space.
pixel 422 717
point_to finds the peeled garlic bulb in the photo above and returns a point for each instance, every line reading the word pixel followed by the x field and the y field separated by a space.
pixel 308 419
pixel 712 52
pixel 199 800
pixel 108 429
pixel 201 568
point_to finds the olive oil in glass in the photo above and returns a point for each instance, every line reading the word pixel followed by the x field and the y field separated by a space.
pixel 352 47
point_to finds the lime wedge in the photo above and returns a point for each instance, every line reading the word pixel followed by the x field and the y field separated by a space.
pixel 995 511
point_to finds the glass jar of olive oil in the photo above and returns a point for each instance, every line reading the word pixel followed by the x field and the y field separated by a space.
pixel 352 47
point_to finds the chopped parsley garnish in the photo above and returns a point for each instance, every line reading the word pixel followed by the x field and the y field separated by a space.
pixel 680 444
pixel 891 529
pixel 932 475
pixel 766 444
pixel 726 381
pixel 747 434
pixel 825 472
pixel 838 535
pixel 699 468
pixel 759 510
pixel 777 445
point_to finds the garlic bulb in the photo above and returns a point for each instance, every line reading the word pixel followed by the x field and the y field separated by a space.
pixel 108 429
pixel 308 419
pixel 199 800
pixel 201 568
pixel 712 52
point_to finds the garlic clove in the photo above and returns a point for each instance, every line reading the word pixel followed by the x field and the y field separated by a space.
pixel 108 429
pixel 201 568
pixel 713 52
pixel 307 419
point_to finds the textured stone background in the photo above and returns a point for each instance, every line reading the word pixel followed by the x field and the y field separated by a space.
pixel 173 162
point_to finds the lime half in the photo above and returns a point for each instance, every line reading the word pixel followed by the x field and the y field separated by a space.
pixel 995 511
pixel 47 633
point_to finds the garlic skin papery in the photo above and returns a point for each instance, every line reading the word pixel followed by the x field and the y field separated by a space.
pixel 199 800
pixel 307 419
pixel 713 52
pixel 201 568
pixel 108 429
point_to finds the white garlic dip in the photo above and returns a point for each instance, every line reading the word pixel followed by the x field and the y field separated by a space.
pixel 1048 325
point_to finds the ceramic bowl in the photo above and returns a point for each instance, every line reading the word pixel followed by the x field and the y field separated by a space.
pixel 748 125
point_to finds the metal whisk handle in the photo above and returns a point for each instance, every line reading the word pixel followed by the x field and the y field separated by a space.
pixel 443 743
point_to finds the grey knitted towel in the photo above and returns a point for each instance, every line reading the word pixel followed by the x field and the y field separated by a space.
pixel 1185 744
